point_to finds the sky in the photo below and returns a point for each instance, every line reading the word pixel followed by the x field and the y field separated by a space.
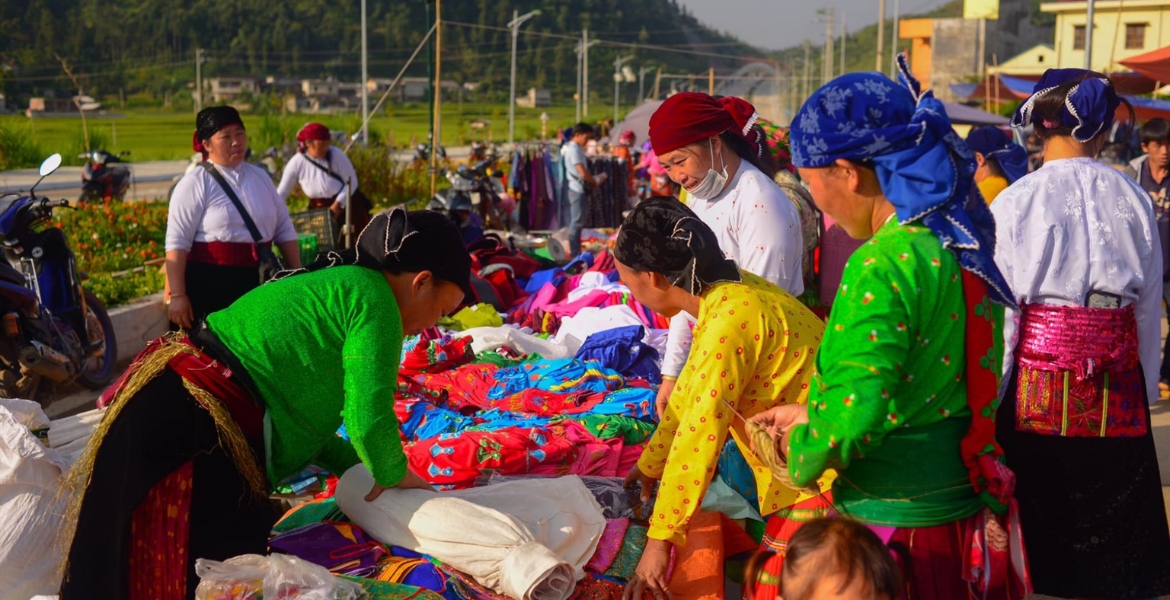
pixel 742 18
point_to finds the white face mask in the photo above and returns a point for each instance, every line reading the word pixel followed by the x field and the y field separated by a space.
pixel 712 184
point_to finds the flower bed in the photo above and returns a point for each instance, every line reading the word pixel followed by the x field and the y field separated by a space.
pixel 112 238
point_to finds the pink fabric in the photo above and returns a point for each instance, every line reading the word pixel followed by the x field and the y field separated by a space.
pixel 609 546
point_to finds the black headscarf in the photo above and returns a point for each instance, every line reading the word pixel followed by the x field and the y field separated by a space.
pixel 662 235
pixel 211 120
pixel 397 241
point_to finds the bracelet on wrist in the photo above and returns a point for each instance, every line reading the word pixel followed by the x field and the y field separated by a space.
pixel 669 378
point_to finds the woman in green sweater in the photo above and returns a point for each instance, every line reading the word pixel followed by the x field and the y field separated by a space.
pixel 904 395
pixel 201 428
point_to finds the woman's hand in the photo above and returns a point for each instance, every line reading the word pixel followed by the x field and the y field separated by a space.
pixel 636 477
pixel 663 397
pixel 651 572
pixel 336 208
pixel 779 420
pixel 179 311
pixel 409 482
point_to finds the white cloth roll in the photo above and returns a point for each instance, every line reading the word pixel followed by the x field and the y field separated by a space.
pixel 526 539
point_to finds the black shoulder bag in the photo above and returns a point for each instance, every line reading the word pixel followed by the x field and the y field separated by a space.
pixel 270 264
pixel 360 202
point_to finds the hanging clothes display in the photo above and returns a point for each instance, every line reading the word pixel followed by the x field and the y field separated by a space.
pixel 606 202
pixel 537 188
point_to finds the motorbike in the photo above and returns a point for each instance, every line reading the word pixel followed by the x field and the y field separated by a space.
pixel 474 200
pixel 53 332
pixel 104 177
pixel 422 153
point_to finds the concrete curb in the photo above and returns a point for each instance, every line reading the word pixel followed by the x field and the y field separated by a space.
pixel 137 323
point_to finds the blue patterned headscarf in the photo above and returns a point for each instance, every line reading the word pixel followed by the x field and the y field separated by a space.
pixel 925 170
pixel 1088 107
pixel 992 143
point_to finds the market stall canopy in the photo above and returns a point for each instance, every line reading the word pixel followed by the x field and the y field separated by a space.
pixel 1153 65
pixel 967 115
pixel 1145 108
pixel 1012 88
pixel 638 121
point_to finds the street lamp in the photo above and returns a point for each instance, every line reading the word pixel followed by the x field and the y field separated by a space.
pixel 514 25
pixel 618 77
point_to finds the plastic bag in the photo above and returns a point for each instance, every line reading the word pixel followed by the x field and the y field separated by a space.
pixel 273 577
pixel 616 501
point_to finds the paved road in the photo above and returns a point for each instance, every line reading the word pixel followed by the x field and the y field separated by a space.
pixel 68 179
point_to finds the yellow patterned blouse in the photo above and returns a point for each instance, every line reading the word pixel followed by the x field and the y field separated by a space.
pixel 754 348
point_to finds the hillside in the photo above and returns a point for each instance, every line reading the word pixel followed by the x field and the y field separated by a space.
pixel 144 49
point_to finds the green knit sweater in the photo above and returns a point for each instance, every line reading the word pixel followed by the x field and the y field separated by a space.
pixel 322 348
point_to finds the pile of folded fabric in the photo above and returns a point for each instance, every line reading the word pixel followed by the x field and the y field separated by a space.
pixel 526 419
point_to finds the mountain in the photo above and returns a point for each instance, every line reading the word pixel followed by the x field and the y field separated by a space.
pixel 145 49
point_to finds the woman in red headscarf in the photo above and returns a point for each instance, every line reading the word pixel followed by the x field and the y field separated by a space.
pixel 715 149
pixel 326 176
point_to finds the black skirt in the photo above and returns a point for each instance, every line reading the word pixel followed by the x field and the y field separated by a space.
pixel 159 430
pixel 1091 509
pixel 212 288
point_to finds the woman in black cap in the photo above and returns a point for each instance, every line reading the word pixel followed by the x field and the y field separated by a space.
pixel 212 254
pixel 199 429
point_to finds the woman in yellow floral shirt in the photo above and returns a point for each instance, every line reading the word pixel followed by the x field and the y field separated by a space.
pixel 754 349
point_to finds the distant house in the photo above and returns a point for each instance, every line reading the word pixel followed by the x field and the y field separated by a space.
pixel 319 87
pixel 48 106
pixel 536 98
pixel 414 89
pixel 1031 62
pixel 230 89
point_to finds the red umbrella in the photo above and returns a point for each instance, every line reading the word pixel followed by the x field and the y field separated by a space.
pixel 1154 65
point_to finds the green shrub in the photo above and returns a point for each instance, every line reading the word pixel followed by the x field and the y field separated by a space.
pixel 113 238
pixel 18 148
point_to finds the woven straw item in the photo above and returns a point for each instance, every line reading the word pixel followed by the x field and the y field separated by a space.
pixel 763 441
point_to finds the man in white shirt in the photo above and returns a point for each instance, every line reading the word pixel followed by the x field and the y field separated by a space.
pixel 579 176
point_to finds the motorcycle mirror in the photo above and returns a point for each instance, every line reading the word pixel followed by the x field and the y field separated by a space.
pixel 51 164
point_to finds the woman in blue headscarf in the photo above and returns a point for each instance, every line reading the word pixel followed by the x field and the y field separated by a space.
pixel 1000 161
pixel 902 404
pixel 1078 246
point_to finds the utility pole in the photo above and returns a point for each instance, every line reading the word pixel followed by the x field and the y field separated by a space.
pixel 430 91
pixel 711 81
pixel 827 54
pixel 436 106
pixel 198 79
pixel 617 86
pixel 881 33
pixel 805 91
pixel 580 52
pixel 517 21
pixel 642 83
pixel 1089 35
pixel 585 76
pixel 365 90
pixel 894 42
pixel 842 71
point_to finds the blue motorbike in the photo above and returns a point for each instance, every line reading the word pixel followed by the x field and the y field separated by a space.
pixel 53 332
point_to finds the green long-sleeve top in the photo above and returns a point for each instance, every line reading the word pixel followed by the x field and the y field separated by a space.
pixel 888 405
pixel 322 348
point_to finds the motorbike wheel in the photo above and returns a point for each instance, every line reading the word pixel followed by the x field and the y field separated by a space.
pixel 89 195
pixel 98 371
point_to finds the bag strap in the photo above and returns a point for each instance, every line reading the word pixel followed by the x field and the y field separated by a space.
pixel 328 171
pixel 231 194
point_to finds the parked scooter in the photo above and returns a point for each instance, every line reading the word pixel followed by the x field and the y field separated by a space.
pixel 474 199
pixel 53 332
pixel 105 176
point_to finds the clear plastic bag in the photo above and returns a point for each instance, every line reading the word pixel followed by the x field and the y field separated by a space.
pixel 273 577
pixel 616 501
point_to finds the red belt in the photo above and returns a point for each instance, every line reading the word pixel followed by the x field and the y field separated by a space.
pixel 227 254
pixel 320 202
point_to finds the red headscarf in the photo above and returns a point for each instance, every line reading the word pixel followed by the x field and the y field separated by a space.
pixel 689 117
pixel 313 131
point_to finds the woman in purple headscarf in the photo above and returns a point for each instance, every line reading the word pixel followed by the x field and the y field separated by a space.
pixel 1077 244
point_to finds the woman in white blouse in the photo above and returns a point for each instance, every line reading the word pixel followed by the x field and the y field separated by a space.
pixel 324 174
pixel 716 152
pixel 212 257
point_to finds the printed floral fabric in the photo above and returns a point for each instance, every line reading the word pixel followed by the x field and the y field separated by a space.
pixel 434 356
pixel 455 461
pixel 754 350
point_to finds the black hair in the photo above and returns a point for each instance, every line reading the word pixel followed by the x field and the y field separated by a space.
pixel 993 164
pixel 1156 130
pixel 1049 107
pixel 583 129
pixel 765 163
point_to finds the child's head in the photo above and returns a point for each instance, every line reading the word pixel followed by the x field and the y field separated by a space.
pixel 838 558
